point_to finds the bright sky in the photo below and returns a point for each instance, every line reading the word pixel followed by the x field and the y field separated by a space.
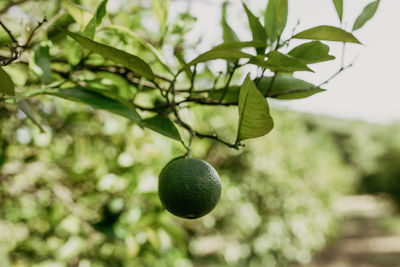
pixel 369 90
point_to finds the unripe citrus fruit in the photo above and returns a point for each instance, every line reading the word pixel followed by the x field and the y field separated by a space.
pixel 189 188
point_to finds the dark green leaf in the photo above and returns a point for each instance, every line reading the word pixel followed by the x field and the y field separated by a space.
pixel 275 18
pixel 40 63
pixel 26 108
pixel 280 62
pixel 80 15
pixel 231 95
pixel 163 126
pixel 240 45
pixel 254 117
pixel 90 28
pixel 6 84
pixel 327 33
pixel 311 52
pixel 218 54
pixel 257 29
pixel 127 60
pixel 228 34
pixel 98 101
pixel 285 86
pixel 366 14
pixel 159 56
pixel 339 8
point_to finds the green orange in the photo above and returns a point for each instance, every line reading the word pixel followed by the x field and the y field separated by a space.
pixel 189 188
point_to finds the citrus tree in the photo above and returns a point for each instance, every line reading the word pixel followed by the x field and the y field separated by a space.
pixel 116 59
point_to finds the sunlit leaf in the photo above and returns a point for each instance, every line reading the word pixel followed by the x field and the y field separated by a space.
pixel 254 117
pixel 339 8
pixel 163 126
pixel 327 33
pixel 257 29
pixel 90 28
pixel 80 15
pixel 311 52
pixel 127 60
pixel 367 13
pixel 275 18
pixel 285 86
pixel 98 101
pixel 6 84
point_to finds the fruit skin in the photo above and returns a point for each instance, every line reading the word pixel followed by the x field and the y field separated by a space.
pixel 189 188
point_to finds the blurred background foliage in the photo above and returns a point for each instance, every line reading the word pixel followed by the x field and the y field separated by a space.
pixel 84 191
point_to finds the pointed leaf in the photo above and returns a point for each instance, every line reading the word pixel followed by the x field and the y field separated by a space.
pixel 339 8
pixel 275 18
pixel 311 52
pixel 159 56
pixel 6 84
pixel 280 62
pixel 80 15
pixel 218 54
pixel 327 33
pixel 285 86
pixel 26 108
pixel 257 29
pixel 366 14
pixel 160 8
pixel 240 45
pixel 98 101
pixel 127 60
pixel 254 117
pixel 90 28
pixel 40 63
pixel 228 34
pixel 163 126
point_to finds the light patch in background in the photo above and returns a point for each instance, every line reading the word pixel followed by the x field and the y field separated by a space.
pixel 369 90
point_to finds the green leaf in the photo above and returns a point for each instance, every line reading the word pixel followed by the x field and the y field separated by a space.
pixel 366 14
pixel 160 8
pixel 311 52
pixel 80 15
pixel 228 35
pixel 285 86
pixel 26 108
pixel 218 54
pixel 327 33
pixel 231 95
pixel 127 60
pixel 257 29
pixel 6 84
pixel 98 16
pixel 240 45
pixel 98 101
pixel 254 117
pixel 159 56
pixel 280 62
pixel 40 63
pixel 163 126
pixel 339 8
pixel 275 18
